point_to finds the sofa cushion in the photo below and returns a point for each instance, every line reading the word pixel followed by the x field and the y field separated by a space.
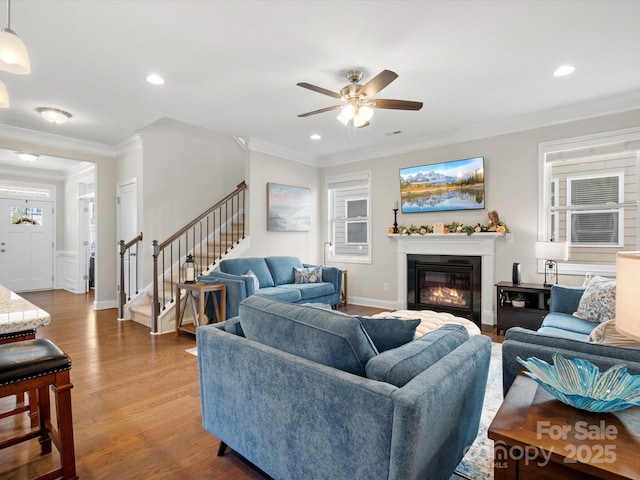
pixel 388 333
pixel 562 333
pixel 308 274
pixel 564 321
pixel 281 268
pixel 233 326
pixel 309 291
pixel 290 295
pixel 240 266
pixel 606 334
pixel 399 365
pixel 598 302
pixel 319 335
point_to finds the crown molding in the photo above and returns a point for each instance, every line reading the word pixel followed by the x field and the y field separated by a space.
pixel 8 132
pixel 258 145
pixel 570 113
pixel 128 145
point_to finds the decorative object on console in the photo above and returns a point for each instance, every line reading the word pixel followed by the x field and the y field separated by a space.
pixel 550 252
pixel 627 278
pixel 515 274
pixel 580 383
pixel 288 208
pixel 189 270
pixel 519 300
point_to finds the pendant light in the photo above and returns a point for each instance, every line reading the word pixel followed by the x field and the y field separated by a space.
pixel 13 54
pixel 4 96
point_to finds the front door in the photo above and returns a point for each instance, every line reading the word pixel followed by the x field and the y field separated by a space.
pixel 26 244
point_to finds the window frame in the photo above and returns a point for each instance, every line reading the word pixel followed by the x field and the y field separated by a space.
pixel 627 138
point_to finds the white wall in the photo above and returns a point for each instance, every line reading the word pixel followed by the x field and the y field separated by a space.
pixel 511 169
pixel 185 170
pixel 265 168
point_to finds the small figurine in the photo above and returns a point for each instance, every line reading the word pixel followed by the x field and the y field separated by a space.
pixel 495 219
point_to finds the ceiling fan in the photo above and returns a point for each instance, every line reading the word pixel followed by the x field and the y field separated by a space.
pixel 357 107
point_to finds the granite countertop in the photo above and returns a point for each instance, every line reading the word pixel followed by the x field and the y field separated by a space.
pixel 16 314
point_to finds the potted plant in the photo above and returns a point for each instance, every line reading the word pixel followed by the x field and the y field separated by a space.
pixel 518 300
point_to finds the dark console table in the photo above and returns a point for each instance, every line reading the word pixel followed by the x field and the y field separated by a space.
pixel 531 315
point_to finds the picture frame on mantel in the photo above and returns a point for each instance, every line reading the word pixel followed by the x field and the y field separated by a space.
pixel 288 208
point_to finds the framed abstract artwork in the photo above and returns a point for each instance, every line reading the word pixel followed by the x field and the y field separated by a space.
pixel 288 208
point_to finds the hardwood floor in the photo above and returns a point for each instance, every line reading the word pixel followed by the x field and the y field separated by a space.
pixel 136 406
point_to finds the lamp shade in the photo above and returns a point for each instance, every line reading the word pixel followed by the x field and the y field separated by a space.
pixel 552 250
pixel 627 281
pixel 13 54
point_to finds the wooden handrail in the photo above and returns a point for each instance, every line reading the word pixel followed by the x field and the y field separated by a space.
pixel 124 248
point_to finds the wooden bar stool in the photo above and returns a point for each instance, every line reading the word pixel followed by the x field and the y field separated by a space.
pixel 38 365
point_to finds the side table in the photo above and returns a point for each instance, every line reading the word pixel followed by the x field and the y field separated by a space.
pixel 198 315
pixel 538 437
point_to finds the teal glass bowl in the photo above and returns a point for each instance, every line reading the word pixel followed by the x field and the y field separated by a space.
pixel 580 383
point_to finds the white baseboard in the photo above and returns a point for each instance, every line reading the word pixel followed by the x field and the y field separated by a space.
pixel 105 304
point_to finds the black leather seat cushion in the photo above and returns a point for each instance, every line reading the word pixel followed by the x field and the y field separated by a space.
pixel 30 359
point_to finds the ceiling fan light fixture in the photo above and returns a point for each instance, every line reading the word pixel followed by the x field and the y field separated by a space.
pixel 362 116
pixel 4 96
pixel 346 114
pixel 53 115
pixel 14 57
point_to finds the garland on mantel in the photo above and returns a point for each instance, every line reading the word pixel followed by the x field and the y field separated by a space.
pixel 495 226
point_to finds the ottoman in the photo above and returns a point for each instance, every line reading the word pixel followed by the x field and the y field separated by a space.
pixel 430 320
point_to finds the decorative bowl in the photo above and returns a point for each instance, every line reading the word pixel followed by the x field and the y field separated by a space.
pixel 580 383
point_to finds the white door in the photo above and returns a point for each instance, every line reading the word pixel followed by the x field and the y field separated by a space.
pixel 127 229
pixel 26 244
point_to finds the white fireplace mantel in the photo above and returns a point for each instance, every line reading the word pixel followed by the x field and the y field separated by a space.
pixel 477 244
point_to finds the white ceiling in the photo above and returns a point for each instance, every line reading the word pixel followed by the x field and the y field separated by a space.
pixel 480 67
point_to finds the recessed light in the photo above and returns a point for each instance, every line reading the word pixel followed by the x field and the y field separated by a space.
pixel 27 157
pixel 564 70
pixel 155 79
pixel 315 136
pixel 53 115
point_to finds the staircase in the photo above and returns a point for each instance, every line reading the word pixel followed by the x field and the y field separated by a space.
pixel 227 246
pixel 217 233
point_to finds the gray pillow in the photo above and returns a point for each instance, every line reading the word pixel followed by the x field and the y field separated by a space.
pixel 400 365
pixel 319 335
pixel 388 333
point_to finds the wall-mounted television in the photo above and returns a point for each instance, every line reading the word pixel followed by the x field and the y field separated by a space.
pixel 453 185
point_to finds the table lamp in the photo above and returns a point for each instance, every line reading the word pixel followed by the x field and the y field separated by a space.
pixel 550 252
pixel 627 278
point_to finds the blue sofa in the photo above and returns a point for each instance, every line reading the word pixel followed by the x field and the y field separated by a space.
pixel 301 392
pixel 275 280
pixel 563 333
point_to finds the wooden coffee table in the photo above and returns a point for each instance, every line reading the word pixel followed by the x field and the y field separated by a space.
pixel 538 437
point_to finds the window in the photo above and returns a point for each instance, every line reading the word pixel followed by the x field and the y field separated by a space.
pixel 590 199
pixel 26 216
pixel 349 218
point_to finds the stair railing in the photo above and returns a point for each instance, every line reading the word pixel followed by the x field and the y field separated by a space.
pixel 202 238
pixel 128 250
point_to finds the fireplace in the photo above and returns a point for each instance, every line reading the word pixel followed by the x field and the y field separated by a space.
pixel 445 283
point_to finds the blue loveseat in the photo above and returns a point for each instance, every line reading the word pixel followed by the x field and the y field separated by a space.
pixel 302 393
pixel 566 334
pixel 274 278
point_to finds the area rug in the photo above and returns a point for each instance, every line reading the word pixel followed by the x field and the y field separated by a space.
pixel 192 351
pixel 477 464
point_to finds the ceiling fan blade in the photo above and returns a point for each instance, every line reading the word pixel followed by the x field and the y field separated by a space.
pixel 378 82
pixel 322 110
pixel 396 104
pixel 324 91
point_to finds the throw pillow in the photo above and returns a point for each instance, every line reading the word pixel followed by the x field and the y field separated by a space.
pixel 388 333
pixel 254 277
pixel 598 302
pixel 400 365
pixel 606 334
pixel 308 274
pixel 323 336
